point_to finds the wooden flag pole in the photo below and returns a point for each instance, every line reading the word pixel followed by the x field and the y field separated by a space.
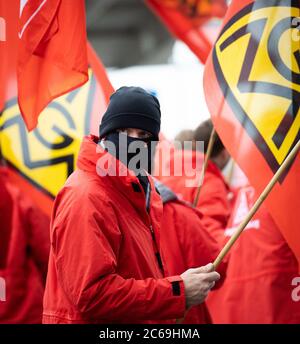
pixel 211 142
pixel 257 204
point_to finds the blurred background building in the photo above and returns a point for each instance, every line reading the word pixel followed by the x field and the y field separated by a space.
pixel 138 50
pixel 126 33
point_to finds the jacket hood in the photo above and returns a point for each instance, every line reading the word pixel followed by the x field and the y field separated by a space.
pixel 95 159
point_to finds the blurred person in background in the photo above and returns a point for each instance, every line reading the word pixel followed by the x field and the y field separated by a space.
pixel 259 282
pixel 24 251
pixel 186 135
pixel 214 201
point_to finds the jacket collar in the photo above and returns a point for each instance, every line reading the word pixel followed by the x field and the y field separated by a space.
pixel 166 194
pixel 92 158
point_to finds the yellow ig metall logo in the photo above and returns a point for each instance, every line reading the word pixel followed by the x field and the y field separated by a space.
pixel 47 155
pixel 257 63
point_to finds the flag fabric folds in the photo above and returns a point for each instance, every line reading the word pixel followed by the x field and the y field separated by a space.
pixel 252 87
pixel 193 22
pixel 39 162
pixel 52 56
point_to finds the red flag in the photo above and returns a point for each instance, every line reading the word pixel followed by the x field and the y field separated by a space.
pixel 104 89
pixel 191 21
pixel 5 62
pixel 2 42
pixel 40 162
pixel 252 86
pixel 52 56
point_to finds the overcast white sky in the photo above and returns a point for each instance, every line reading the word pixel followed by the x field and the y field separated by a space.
pixel 178 86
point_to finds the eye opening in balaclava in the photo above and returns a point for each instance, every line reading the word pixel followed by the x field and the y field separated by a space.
pixel 136 154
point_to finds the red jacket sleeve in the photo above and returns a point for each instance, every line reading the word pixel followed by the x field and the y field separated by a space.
pixel 199 245
pixel 86 245
pixel 6 212
pixel 38 229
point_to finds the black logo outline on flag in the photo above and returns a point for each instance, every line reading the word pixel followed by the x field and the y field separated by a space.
pixel 245 85
pixel 68 160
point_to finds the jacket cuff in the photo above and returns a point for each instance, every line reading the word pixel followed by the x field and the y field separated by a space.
pixel 178 294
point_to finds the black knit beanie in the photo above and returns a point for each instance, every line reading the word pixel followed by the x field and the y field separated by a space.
pixel 131 107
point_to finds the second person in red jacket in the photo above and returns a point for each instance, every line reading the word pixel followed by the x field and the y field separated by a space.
pixel 186 243
pixel 24 252
pixel 261 272
pixel 214 197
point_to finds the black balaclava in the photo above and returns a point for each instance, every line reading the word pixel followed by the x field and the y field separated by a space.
pixel 131 107
pixel 126 148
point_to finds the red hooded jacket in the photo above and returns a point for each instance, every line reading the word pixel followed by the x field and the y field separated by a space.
pixel 258 287
pixel 185 243
pixel 24 251
pixel 104 264
pixel 213 202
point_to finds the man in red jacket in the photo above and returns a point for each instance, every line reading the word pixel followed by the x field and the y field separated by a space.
pixel 213 202
pixel 24 251
pixel 105 264
pixel 261 270
pixel 185 243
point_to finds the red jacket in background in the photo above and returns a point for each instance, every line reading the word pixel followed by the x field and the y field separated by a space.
pixel 104 264
pixel 258 287
pixel 24 245
pixel 185 243
pixel 213 202
pixel 6 210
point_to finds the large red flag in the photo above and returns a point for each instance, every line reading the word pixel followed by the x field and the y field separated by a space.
pixel 191 21
pixel 52 57
pixel 39 162
pixel 7 65
pixel 252 85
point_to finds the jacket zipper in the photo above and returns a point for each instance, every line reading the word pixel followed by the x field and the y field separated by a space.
pixel 156 250
pixel 155 246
